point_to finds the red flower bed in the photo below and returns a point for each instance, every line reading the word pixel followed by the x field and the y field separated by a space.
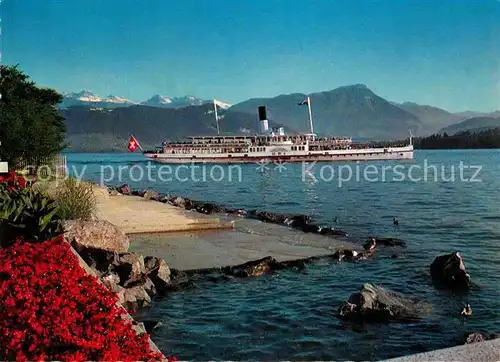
pixel 13 181
pixel 52 310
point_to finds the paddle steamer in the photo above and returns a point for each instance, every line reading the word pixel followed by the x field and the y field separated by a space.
pixel 273 145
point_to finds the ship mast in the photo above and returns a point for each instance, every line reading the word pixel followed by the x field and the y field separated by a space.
pixel 216 117
pixel 310 115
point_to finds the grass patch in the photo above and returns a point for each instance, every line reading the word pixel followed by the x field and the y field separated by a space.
pixel 75 200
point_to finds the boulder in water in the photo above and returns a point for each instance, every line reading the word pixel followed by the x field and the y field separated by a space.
pixel 150 325
pixel 253 268
pixel 348 255
pixel 326 230
pixel 130 268
pixel 179 202
pixel 448 271
pixel 134 298
pixel 387 241
pixel 298 220
pixel 376 304
pixel 159 272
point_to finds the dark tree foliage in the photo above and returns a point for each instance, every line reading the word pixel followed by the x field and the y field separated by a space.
pixel 489 138
pixel 31 127
pixel 486 138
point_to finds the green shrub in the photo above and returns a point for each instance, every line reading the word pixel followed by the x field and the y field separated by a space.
pixel 28 214
pixel 75 200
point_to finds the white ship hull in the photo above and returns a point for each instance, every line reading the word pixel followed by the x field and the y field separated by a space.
pixel 366 154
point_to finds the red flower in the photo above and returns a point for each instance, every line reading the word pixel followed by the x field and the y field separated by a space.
pixel 52 310
pixel 12 181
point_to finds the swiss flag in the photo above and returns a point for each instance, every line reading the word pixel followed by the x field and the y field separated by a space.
pixel 132 144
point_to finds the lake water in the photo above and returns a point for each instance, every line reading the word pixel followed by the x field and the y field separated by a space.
pixel 290 315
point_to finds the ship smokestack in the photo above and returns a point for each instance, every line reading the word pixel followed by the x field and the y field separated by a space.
pixel 264 124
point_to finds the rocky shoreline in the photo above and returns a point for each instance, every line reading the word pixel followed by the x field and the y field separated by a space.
pixel 138 279
pixel 298 222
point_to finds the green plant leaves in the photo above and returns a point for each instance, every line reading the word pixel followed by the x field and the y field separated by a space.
pixel 29 214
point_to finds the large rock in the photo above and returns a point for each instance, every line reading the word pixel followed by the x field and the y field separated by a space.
pixel 112 282
pixel 391 242
pixel 150 325
pixel 448 271
pixel 149 287
pixel 478 337
pixel 179 202
pixel 474 338
pixel 130 268
pixel 150 195
pixel 99 234
pixel 253 268
pixel 100 260
pixel 114 192
pixel 124 189
pixel 376 304
pixel 158 271
pixel 134 298
pixel 348 255
pixel 207 207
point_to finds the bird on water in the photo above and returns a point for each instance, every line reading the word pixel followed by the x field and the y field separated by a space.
pixel 370 246
pixel 466 311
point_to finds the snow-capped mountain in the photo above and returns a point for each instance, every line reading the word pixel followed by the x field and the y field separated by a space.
pixel 88 99
pixel 222 105
pixel 158 101
pixel 186 101
pixel 180 102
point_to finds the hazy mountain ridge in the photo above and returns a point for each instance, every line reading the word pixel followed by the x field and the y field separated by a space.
pixel 109 130
pixel 472 124
pixel 345 111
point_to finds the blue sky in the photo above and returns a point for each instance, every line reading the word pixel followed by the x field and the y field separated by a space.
pixel 440 52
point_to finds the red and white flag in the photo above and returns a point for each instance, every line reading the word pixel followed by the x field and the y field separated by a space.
pixel 133 144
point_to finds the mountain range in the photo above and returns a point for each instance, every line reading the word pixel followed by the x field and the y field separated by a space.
pixel 86 98
pixel 108 130
pixel 105 123
pixel 474 124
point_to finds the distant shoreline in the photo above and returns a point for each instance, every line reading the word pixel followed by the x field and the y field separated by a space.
pixel 416 148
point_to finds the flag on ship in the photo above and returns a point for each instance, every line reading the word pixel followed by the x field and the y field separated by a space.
pixel 133 144
pixel 303 103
